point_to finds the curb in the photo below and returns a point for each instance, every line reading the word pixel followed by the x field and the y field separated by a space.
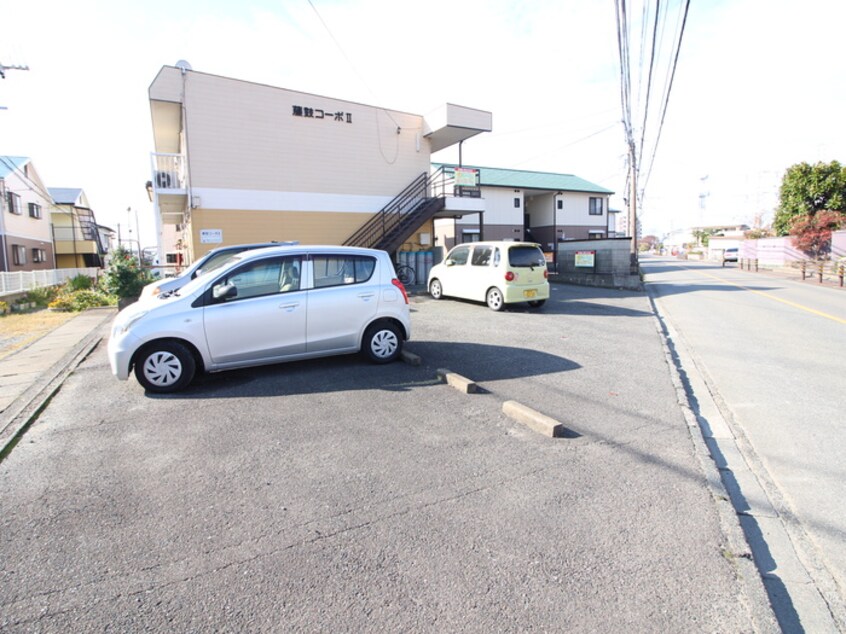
pixel 739 551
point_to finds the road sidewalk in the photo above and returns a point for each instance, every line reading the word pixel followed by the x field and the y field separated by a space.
pixel 32 375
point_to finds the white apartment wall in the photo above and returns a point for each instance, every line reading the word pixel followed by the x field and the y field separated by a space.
pixel 576 210
pixel 499 208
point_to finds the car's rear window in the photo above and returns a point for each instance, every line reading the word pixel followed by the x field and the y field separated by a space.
pixel 525 256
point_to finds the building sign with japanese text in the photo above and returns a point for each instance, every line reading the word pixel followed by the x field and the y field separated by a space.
pixel 211 236
pixel 316 113
pixel 586 259
pixel 466 177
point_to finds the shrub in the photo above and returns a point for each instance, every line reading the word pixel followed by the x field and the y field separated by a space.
pixel 42 296
pixel 75 301
pixel 80 283
pixel 4 308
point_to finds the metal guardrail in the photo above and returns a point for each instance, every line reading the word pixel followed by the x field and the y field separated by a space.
pixel 23 281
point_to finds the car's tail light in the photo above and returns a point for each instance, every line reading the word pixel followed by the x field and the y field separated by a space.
pixel 509 276
pixel 399 285
pixel 545 273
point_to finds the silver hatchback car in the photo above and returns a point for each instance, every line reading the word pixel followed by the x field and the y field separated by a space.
pixel 265 306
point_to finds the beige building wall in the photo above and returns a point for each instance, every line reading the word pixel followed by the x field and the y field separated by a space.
pixel 267 163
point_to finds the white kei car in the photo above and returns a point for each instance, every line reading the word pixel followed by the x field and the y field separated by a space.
pixel 497 273
pixel 265 306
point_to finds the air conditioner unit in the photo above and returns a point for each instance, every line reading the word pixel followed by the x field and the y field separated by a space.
pixel 164 180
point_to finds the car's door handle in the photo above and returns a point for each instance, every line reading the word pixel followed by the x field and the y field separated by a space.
pixel 367 296
pixel 289 307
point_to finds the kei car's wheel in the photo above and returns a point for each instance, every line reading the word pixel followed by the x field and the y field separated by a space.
pixel 435 289
pixel 382 342
pixel 537 303
pixel 165 366
pixel 495 299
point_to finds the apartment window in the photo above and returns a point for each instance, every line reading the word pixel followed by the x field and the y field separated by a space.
pixel 14 203
pixel 39 255
pixel 34 210
pixel 595 206
pixel 560 204
pixel 516 202
pixel 19 254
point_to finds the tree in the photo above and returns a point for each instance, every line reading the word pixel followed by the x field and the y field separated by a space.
pixel 758 233
pixel 125 278
pixel 807 189
pixel 647 242
pixel 812 233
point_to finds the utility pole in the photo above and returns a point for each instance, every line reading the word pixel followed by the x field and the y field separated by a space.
pixel 633 205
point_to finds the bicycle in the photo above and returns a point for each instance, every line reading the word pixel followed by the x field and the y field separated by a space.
pixel 405 274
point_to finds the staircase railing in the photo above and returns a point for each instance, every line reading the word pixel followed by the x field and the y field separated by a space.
pixel 397 220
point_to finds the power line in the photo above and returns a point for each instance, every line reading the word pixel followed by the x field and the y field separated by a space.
pixel 667 94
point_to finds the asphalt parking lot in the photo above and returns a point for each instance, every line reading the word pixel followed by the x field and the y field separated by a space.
pixel 338 495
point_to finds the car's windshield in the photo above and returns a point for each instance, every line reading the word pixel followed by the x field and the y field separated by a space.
pixel 201 279
pixel 221 259
pixel 525 256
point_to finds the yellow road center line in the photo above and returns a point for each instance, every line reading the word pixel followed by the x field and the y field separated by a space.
pixel 772 297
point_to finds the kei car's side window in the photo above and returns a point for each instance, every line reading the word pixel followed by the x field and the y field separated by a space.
pixel 481 256
pixel 254 279
pixel 459 256
pixel 497 256
pixel 338 270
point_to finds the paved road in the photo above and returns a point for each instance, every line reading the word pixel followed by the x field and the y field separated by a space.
pixel 333 495
pixel 773 356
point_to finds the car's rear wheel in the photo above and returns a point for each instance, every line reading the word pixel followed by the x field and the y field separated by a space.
pixel 495 299
pixel 382 342
pixel 537 303
pixel 165 366
pixel 435 289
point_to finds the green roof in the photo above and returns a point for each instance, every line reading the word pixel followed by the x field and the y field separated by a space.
pixel 496 177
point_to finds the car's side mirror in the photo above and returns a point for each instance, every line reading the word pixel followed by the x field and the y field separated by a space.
pixel 224 292
pixel 449 262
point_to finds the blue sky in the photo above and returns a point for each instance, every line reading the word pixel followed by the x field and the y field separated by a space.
pixel 758 87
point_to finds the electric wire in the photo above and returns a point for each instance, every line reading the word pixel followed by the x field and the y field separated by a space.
pixel 363 81
pixel 667 94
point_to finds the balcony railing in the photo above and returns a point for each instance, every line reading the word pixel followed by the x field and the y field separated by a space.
pixel 168 172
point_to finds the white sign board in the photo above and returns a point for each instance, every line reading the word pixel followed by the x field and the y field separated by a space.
pixel 211 236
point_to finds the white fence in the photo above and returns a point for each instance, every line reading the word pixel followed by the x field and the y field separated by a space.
pixel 23 281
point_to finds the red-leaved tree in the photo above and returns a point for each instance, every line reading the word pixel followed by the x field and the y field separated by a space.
pixel 812 233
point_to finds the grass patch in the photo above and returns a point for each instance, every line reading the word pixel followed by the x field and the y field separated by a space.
pixel 18 330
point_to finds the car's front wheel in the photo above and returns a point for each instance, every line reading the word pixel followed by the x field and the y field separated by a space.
pixel 164 366
pixel 382 342
pixel 435 289
pixel 495 299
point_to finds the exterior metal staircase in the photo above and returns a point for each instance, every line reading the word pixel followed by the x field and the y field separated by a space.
pixel 399 219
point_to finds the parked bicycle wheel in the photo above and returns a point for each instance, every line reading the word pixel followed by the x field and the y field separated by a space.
pixel 405 274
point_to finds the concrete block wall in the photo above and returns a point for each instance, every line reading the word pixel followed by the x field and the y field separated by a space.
pixel 612 264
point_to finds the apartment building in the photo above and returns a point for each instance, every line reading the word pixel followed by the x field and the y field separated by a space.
pixel 541 207
pixel 239 162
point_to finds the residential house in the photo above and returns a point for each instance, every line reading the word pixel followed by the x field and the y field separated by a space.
pixel 76 235
pixel 26 239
